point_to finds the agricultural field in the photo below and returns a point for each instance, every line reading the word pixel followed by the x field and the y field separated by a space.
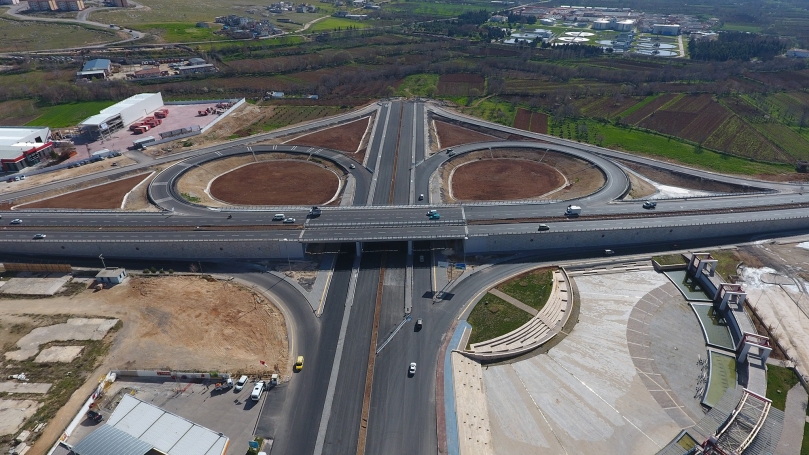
pixel 536 122
pixel 18 36
pixel 18 112
pixel 64 115
pixel 492 110
pixel 183 11
pixel 451 85
pixel 693 118
pixel 608 107
pixel 181 32
pixel 279 116
pixel 337 23
pixel 418 85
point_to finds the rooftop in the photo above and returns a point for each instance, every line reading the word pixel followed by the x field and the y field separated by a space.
pixel 110 272
pixel 117 108
pixel 97 64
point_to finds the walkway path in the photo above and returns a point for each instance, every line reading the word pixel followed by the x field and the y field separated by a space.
pixel 794 420
pixel 516 303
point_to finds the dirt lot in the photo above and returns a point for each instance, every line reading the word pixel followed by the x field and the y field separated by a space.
pixel 536 122
pixel 176 322
pixel 504 179
pixel 195 182
pixel 583 178
pixel 34 181
pixel 277 183
pixel 345 138
pixel 452 135
pixel 107 196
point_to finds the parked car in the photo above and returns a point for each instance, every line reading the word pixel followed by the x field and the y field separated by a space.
pixel 94 416
pixel 258 389
pixel 240 383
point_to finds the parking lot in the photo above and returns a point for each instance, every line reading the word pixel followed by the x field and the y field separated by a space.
pixel 228 412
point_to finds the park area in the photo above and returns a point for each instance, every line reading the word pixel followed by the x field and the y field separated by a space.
pixel 504 179
pixel 101 197
pixel 293 182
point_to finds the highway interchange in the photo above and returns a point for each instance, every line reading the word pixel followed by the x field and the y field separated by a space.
pixel 322 409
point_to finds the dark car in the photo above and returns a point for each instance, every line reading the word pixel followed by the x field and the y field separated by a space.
pixel 94 416
pixel 649 204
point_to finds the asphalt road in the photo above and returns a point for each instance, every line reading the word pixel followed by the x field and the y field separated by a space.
pixel 383 173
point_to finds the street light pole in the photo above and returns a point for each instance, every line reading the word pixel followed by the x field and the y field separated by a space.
pixel 101 256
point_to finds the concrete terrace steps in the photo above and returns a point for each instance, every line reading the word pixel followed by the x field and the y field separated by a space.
pixel 602 269
pixel 541 328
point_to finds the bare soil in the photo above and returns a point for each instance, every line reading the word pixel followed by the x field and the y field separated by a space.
pixel 106 196
pixel 451 135
pixel 276 183
pixel 345 138
pixel 638 187
pixel 138 199
pixel 583 178
pixel 37 180
pixel 685 181
pixel 504 179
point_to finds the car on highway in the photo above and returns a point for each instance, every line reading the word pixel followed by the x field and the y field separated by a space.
pixel 649 204
pixel 351 166
pixel 421 197
pixel 419 324
pixel 16 221
pixel 299 363
pixel 278 217
pixel 240 383
pixel 449 150
pixel 258 389
pixel 412 370
pixel 543 227
pixel 39 236
pixel 435 216
pixel 289 220
pixel 315 212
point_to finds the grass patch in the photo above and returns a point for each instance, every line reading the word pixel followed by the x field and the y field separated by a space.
pixel 336 23
pixel 657 145
pixel 181 32
pixel 418 85
pixel 637 106
pixel 670 259
pixel 493 110
pixel 492 317
pixel 805 444
pixel 779 381
pixel 64 115
pixel 279 116
pixel 19 36
pixel 532 288
pixel 189 198
pixel 728 260
pixel 741 28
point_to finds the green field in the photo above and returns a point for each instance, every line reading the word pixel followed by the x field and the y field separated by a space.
pixel 779 381
pixel 741 28
pixel 493 110
pixel 337 23
pixel 64 115
pixel 181 32
pixel 418 85
pixel 492 317
pixel 532 288
pixel 646 143
pixel 18 36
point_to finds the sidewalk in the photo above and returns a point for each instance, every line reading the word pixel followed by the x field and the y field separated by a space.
pixel 514 302
pixel 794 421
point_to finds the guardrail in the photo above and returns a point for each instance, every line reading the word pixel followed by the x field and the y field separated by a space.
pixel 707 196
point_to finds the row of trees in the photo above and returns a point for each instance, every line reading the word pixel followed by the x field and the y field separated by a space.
pixel 737 46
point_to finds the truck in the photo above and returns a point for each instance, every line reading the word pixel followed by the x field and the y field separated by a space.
pixel 224 385
pixel 573 210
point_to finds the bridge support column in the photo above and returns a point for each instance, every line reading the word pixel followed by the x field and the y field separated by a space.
pixel 359 249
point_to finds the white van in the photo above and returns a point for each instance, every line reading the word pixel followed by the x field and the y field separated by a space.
pixel 278 217
pixel 240 383
pixel 258 389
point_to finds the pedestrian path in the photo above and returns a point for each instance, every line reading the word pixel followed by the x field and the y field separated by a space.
pixel 474 434
pixel 515 302
pixel 794 421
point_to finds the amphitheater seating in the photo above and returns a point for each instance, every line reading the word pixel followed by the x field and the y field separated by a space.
pixel 541 328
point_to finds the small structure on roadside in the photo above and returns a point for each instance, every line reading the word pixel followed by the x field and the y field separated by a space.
pixel 97 68
pixel 112 275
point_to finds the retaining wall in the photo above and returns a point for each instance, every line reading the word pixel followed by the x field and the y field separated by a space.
pixel 182 375
pixel 612 238
pixel 192 249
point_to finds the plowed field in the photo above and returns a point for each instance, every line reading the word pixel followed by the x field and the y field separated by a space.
pixel 276 183
pixel 345 138
pixel 504 179
pixel 107 196
pixel 461 85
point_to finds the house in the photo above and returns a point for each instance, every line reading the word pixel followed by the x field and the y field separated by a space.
pixel 148 72
pixel 111 275
pixel 497 18
pixel 42 5
pixel 21 147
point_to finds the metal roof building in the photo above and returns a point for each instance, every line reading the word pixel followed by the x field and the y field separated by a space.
pixel 122 114
pixel 137 427
pixel 21 147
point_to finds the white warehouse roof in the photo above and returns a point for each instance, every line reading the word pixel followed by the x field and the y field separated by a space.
pixel 131 109
pixel 159 429
pixel 16 140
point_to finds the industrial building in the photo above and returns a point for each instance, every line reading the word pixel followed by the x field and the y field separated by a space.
pixel 140 428
pixel 55 5
pixel 9 2
pixel 626 25
pixel 22 147
pixel 121 115
pixel 99 68
pixel 193 69
pixel 666 29
pixel 798 53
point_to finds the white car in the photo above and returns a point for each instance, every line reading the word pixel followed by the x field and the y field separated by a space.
pixel 240 383
pixel 16 221
pixel 412 369
pixel 351 166
pixel 258 389
pixel 289 220
pixel 39 236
